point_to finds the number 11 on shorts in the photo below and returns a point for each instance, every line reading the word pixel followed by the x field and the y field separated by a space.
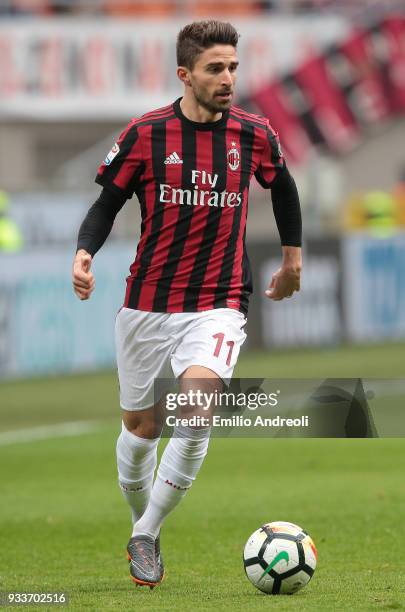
pixel 220 340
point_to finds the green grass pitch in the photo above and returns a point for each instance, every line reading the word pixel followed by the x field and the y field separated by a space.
pixel 64 525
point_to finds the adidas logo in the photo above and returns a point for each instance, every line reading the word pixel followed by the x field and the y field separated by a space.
pixel 173 159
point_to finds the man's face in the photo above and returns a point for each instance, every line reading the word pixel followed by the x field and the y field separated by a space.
pixel 213 77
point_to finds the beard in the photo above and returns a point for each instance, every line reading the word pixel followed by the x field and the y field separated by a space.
pixel 211 104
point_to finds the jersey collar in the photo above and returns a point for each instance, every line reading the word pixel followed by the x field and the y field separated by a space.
pixel 197 125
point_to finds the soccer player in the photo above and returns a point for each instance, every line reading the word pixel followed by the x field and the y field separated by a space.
pixel 190 165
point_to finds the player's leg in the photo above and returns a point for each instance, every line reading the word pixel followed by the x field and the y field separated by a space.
pixel 182 457
pixel 136 461
pixel 137 456
pixel 201 365
pixel 143 353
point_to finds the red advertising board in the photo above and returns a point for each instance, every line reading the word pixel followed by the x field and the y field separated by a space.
pixel 273 102
pixel 328 104
pixel 365 93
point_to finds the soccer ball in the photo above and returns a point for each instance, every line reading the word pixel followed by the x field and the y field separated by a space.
pixel 279 557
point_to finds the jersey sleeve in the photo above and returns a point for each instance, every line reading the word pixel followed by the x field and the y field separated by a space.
pixel 121 169
pixel 271 161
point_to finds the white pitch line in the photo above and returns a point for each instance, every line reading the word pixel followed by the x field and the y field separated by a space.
pixel 45 432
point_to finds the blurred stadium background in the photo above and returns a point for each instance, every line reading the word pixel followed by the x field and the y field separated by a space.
pixel 330 75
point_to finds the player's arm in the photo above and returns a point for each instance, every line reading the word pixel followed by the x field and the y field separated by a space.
pixel 119 175
pixel 272 173
pixel 93 233
pixel 287 213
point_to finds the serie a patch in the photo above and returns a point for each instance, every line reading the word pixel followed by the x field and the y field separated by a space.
pixel 112 154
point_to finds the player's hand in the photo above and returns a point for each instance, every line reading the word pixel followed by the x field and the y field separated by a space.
pixel 283 284
pixel 287 279
pixel 83 279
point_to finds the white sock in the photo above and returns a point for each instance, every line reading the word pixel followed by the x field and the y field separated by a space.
pixel 136 462
pixel 179 465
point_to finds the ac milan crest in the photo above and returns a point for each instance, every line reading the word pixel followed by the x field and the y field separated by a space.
pixel 233 157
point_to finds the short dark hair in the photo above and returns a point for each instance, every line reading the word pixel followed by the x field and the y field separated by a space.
pixel 195 37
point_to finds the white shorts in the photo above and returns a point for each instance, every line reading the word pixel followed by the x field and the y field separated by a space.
pixel 154 345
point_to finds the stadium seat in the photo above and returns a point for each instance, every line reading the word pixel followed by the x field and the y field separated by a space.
pixel 140 8
pixel 31 7
pixel 211 8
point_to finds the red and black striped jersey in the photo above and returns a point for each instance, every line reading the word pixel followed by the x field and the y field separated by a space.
pixel 192 182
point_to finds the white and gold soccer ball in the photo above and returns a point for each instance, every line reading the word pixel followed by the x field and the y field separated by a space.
pixel 279 558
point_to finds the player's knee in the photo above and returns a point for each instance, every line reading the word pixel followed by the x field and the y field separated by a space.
pixel 149 430
pixel 143 423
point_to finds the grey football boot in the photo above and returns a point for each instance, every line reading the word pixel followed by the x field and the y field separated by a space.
pixel 159 557
pixel 146 564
